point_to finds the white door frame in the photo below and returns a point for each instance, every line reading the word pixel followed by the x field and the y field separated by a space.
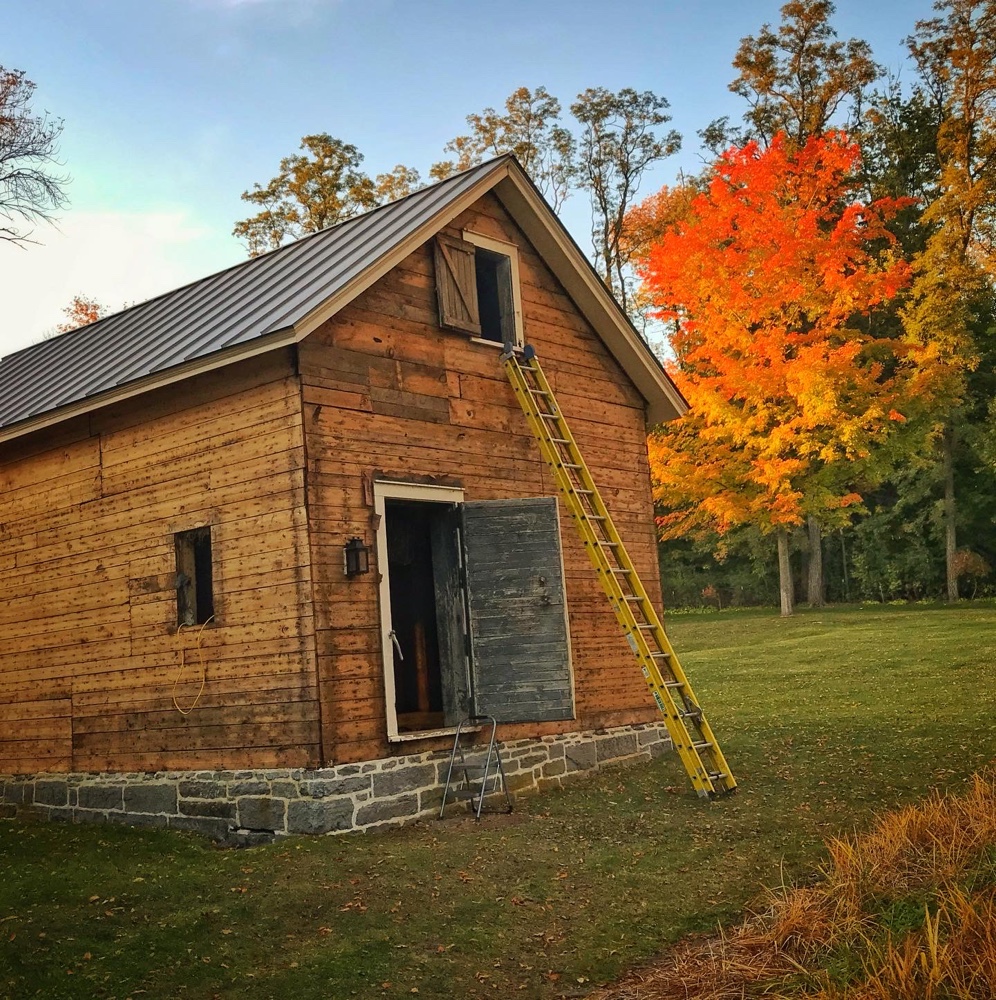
pixel 387 490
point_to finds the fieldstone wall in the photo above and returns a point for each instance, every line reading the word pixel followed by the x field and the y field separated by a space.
pixel 245 807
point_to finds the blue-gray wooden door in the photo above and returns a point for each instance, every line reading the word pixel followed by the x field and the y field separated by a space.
pixel 520 650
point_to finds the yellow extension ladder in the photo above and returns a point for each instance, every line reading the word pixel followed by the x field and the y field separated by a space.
pixel 690 732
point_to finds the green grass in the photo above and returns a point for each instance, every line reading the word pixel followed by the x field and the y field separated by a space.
pixel 825 719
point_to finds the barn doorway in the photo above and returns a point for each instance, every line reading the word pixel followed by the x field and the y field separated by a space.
pixel 423 615
pixel 423 566
pixel 472 608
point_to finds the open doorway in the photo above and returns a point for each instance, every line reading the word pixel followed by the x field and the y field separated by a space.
pixel 473 609
pixel 422 608
pixel 418 684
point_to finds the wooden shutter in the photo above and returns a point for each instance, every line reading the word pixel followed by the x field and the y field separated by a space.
pixel 456 285
pixel 451 626
pixel 520 651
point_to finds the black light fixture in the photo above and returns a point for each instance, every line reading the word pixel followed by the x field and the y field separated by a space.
pixel 356 557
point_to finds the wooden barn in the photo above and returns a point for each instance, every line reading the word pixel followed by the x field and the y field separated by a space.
pixel 265 539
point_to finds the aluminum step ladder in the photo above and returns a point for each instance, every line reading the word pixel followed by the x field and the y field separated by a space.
pixel 475 771
pixel 690 732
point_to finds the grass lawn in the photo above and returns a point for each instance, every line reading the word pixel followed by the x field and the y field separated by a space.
pixel 825 719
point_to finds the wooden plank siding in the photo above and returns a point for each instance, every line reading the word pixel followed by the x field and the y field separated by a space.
pixel 387 392
pixel 90 654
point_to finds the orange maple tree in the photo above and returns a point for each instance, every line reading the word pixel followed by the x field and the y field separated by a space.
pixel 81 312
pixel 767 281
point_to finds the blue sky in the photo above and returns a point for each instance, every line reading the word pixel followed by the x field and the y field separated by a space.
pixel 173 107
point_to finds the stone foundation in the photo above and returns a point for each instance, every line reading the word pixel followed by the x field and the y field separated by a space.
pixel 244 807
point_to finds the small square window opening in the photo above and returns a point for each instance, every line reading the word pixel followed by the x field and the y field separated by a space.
pixel 194 584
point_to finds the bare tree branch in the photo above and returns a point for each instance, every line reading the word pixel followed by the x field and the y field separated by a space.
pixel 29 192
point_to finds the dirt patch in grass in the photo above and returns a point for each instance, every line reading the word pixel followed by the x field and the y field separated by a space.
pixel 488 821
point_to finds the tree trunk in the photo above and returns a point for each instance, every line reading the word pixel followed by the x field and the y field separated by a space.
pixel 950 535
pixel 814 589
pixel 843 560
pixel 785 585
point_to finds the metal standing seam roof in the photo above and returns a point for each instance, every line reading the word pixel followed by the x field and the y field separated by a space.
pixel 257 297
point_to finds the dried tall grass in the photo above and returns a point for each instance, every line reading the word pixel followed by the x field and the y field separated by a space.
pixel 939 855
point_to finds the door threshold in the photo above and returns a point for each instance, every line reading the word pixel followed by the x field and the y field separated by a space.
pixel 428 734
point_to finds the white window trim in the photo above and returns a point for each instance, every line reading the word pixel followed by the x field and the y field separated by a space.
pixel 383 491
pixel 511 251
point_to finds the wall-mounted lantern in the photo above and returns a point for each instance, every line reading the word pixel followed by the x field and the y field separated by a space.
pixel 356 557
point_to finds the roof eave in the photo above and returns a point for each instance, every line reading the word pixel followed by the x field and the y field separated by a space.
pixel 157 380
pixel 529 210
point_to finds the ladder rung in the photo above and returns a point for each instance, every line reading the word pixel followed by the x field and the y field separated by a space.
pixel 540 392
pixel 632 598
pixel 621 569
pixel 670 685
pixel 549 416
pixel 661 656
pixel 702 745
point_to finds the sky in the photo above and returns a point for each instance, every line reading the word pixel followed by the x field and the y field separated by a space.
pixel 172 108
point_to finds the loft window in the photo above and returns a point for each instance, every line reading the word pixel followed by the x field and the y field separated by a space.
pixel 477 284
pixel 194 586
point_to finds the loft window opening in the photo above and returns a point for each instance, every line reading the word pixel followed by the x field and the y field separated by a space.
pixel 496 311
pixel 194 583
